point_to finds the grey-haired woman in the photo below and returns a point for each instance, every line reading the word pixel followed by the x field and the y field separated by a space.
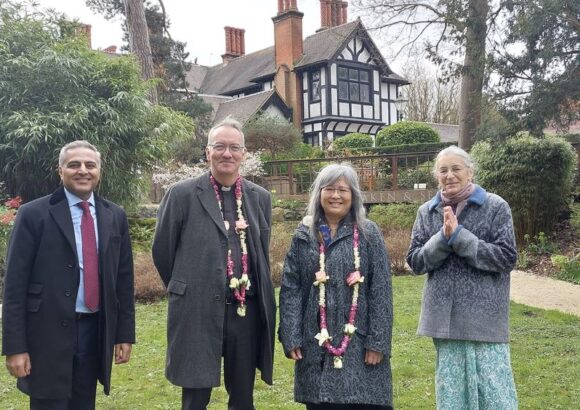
pixel 336 300
pixel 463 239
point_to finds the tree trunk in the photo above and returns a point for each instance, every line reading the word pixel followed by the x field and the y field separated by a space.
pixel 139 41
pixel 473 72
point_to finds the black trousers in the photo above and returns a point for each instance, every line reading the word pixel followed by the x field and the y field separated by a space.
pixel 240 353
pixel 331 406
pixel 85 369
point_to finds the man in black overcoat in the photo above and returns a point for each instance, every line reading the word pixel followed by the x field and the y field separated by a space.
pixel 68 299
pixel 205 226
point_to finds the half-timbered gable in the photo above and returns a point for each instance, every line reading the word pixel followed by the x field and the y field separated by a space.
pixel 332 83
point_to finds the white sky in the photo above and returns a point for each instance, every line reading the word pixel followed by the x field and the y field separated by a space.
pixel 199 23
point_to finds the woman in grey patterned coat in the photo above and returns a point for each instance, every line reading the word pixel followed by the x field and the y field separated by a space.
pixel 336 301
pixel 463 239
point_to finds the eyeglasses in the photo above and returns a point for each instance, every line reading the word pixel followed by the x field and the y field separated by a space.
pixel 234 148
pixel 342 191
pixel 454 170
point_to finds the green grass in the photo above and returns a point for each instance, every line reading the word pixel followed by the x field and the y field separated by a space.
pixel 545 351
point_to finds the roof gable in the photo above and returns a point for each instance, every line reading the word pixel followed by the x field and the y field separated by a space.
pixel 248 71
pixel 244 108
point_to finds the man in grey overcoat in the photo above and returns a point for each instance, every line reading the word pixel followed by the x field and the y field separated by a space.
pixel 211 249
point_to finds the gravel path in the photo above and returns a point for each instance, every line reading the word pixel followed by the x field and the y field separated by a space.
pixel 545 293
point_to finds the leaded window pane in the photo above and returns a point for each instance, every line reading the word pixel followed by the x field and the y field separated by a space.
pixel 343 90
pixel 365 93
pixel 354 91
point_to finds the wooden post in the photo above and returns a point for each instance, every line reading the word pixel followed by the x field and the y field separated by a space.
pixel 394 176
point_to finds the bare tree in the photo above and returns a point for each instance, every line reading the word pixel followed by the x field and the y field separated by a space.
pixel 430 98
pixel 139 41
pixel 446 30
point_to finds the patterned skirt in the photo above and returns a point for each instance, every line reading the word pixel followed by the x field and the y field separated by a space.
pixel 474 376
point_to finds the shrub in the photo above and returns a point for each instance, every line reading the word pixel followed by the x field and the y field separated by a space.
pixel 406 132
pixel 7 216
pixel 407 148
pixel 569 268
pixel 394 216
pixel 407 178
pixel 397 241
pixel 148 285
pixel 279 244
pixel 142 231
pixel 533 175
pixel 353 141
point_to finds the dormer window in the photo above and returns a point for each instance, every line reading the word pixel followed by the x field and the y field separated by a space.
pixel 354 85
pixel 315 86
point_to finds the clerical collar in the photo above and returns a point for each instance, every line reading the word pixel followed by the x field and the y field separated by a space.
pixel 222 187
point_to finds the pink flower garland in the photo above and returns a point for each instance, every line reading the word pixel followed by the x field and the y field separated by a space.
pixel 240 285
pixel 353 279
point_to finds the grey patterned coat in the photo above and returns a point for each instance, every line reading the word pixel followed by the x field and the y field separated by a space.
pixel 315 379
pixel 466 294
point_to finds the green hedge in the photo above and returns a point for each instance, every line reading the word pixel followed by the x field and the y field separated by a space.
pixel 355 140
pixel 535 176
pixel 406 132
pixel 394 215
pixel 408 148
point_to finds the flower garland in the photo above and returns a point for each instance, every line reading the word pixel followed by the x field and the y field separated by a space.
pixel 353 279
pixel 238 286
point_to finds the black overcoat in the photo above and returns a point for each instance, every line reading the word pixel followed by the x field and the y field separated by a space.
pixel 42 279
pixel 190 250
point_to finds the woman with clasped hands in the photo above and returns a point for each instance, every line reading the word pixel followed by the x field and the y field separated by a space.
pixel 463 239
pixel 336 301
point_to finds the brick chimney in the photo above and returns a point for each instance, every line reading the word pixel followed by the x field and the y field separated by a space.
pixel 288 51
pixel 332 13
pixel 235 44
pixel 85 31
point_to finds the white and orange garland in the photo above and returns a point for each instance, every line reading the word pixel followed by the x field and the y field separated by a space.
pixel 238 286
pixel 353 279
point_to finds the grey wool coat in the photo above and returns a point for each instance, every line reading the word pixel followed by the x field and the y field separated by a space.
pixel 466 294
pixel 190 251
pixel 315 378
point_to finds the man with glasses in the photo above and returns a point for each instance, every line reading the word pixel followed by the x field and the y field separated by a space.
pixel 68 307
pixel 211 249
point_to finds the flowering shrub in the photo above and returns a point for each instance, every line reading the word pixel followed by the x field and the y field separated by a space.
pixel 7 217
pixel 174 171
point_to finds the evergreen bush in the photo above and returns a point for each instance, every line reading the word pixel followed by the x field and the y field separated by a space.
pixel 406 132
pixel 394 216
pixel 353 141
pixel 534 175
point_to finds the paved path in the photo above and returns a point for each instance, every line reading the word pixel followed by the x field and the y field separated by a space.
pixel 545 293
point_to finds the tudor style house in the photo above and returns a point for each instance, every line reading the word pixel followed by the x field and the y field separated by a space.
pixel 329 84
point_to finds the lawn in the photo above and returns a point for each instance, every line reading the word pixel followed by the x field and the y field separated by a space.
pixel 545 357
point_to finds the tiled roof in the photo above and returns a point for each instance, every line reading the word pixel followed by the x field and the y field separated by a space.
pixel 195 76
pixel 243 72
pixel 238 73
pixel 447 132
pixel 324 45
pixel 242 109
